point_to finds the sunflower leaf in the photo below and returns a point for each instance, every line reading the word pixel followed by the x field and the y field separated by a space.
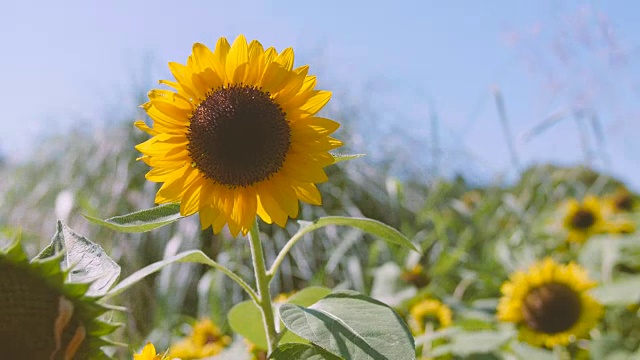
pixel 352 326
pixel 245 318
pixel 374 227
pixel 345 157
pixel 143 220
pixel 193 256
pixel 301 352
pixel 86 261
pixel 619 293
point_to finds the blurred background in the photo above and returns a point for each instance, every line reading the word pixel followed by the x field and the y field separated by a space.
pixel 478 120
pixel 423 75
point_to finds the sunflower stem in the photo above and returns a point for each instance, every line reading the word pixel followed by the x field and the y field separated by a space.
pixel 262 283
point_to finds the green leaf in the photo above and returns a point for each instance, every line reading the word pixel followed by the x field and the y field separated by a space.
pixel 465 343
pixel 143 220
pixel 619 293
pixel 86 261
pixel 245 318
pixel 305 297
pixel 525 351
pixel 345 157
pixel 308 296
pixel 374 227
pixel 301 352
pixel 351 325
pixel 194 256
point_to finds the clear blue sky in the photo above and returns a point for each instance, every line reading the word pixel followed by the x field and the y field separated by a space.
pixel 68 62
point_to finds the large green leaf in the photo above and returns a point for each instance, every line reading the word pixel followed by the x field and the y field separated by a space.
pixel 305 297
pixel 374 227
pixel 619 293
pixel 143 220
pixel 351 325
pixel 301 352
pixel 245 319
pixel 86 261
pixel 194 256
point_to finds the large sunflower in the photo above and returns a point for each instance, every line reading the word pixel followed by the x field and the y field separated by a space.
pixel 581 220
pixel 238 136
pixel 550 304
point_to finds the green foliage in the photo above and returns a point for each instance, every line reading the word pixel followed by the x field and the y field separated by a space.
pixel 351 325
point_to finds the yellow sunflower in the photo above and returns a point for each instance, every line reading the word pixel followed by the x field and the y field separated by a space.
pixel 550 304
pixel 238 136
pixel 205 340
pixel 428 311
pixel 581 220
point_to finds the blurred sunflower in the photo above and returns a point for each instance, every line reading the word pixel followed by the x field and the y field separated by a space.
pixel 550 304
pixel 148 353
pixel 416 276
pixel 428 311
pixel 622 201
pixel 44 317
pixel 205 340
pixel 581 220
pixel 238 136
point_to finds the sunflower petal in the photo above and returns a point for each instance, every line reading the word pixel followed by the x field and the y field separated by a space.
pixel 238 55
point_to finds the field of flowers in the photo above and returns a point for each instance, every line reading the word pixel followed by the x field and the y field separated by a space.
pixel 547 267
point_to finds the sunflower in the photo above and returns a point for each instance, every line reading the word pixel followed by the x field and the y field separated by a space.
pixel 238 136
pixel 428 311
pixel 550 304
pixel 581 220
pixel 205 340
pixel 622 201
pixel 44 317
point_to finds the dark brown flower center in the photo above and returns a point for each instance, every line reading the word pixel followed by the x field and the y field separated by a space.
pixel 583 219
pixel 624 202
pixel 238 136
pixel 551 308
pixel 28 313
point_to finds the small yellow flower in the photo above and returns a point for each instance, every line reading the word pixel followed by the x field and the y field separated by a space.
pixel 581 220
pixel 205 340
pixel 238 136
pixel 549 303
pixel 428 311
pixel 148 353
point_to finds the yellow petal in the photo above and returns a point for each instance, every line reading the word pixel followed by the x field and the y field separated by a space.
pixel 313 128
pixel 303 168
pixel 183 75
pixel 144 127
pixel 238 55
pixel 244 208
pixel 220 58
pixel 275 78
pixel 307 192
pixel 285 59
pixel 293 85
pixel 256 63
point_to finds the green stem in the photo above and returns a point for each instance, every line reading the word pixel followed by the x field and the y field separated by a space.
pixel 262 283
pixel 283 253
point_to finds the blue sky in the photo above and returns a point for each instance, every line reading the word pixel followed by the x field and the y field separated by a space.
pixel 65 64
